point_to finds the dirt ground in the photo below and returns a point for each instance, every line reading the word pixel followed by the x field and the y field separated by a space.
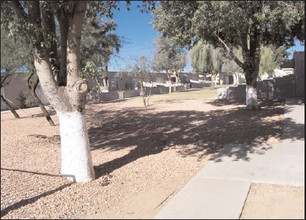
pixel 266 201
pixel 142 158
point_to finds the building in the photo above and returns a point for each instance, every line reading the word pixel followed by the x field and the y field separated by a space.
pixel 288 66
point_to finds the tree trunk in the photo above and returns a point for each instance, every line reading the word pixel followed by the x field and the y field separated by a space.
pixel 251 88
pixel 68 101
pixel 252 60
pixel 212 80
pixel 143 92
pixel 37 100
pixel 236 78
pixel 10 107
pixel 251 97
pixel 76 161
pixel 149 95
pixel 170 82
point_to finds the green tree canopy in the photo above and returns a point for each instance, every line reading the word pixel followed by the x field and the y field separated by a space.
pixel 230 24
pixel 205 58
pixel 168 56
pixel 99 42
pixel 15 54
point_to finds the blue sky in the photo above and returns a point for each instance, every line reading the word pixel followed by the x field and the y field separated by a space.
pixel 135 27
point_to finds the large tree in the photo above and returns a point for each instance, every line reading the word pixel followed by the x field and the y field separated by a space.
pixel 205 58
pixel 168 57
pixel 248 24
pixel 59 75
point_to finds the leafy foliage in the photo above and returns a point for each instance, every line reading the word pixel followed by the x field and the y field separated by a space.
pixel 91 72
pixel 233 24
pixel 141 68
pixel 205 58
pixel 186 22
pixel 15 54
pixel 99 42
pixel 229 65
pixel 271 58
pixel 168 56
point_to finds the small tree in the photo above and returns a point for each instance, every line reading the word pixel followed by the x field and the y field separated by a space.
pixel 168 58
pixel 141 70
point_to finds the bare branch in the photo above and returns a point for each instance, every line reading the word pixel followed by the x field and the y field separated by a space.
pixel 3 79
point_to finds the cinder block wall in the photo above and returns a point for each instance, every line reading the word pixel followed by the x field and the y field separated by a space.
pixel 15 90
pixel 299 71
pixel 277 88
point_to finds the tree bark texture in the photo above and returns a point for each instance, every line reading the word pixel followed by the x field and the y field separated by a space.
pixel 212 80
pixel 32 89
pixel 76 161
pixel 69 100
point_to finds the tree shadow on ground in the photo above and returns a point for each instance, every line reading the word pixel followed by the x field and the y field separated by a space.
pixel 51 112
pixel 56 139
pixel 191 133
pixel 25 202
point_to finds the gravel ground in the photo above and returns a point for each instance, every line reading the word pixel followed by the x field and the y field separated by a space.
pixel 141 157
pixel 270 201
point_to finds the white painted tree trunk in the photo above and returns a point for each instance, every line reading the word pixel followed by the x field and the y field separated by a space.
pixel 251 98
pixel 236 78
pixel 76 161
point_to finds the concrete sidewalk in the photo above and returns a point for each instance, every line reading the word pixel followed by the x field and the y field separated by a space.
pixel 220 189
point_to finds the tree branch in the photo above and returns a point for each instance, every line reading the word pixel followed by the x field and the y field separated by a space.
pixel 48 24
pixel 64 25
pixel 230 52
pixel 19 9
pixel 73 43
pixel 42 62
pixel 3 80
